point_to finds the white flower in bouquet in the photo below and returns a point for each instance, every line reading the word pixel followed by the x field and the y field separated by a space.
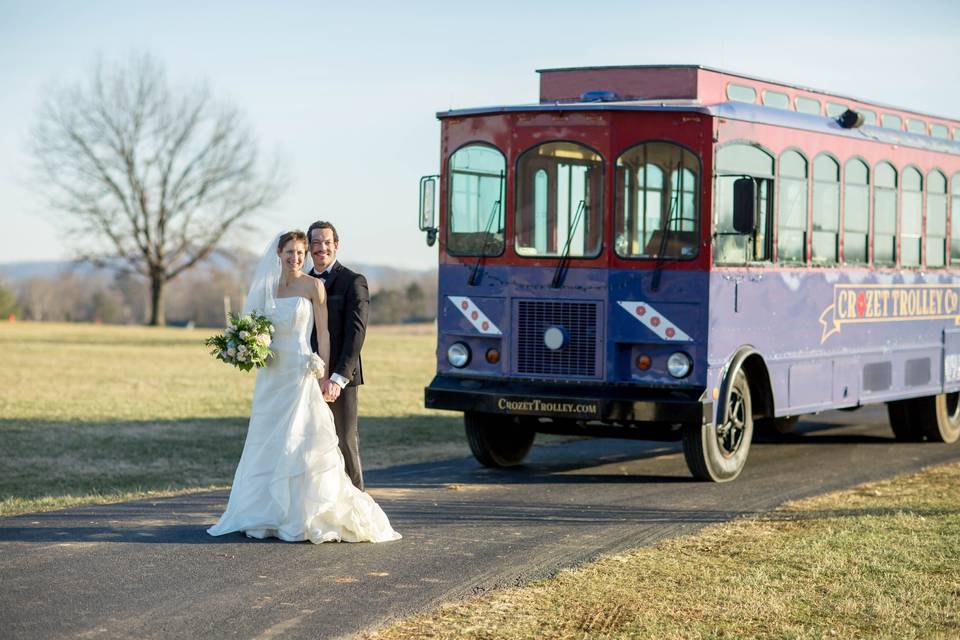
pixel 245 342
pixel 315 365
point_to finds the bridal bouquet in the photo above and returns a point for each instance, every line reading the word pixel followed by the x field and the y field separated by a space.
pixel 245 343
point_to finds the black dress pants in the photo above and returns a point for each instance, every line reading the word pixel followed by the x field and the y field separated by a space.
pixel 345 418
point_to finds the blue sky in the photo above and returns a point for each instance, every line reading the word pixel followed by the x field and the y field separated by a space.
pixel 346 93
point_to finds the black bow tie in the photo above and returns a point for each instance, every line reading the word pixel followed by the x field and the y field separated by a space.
pixel 322 275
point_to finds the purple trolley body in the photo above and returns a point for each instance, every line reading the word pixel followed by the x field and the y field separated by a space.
pixel 734 265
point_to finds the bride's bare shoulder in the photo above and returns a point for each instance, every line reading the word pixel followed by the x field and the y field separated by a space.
pixel 313 287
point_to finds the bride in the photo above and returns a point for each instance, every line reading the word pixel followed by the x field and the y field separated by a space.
pixel 290 483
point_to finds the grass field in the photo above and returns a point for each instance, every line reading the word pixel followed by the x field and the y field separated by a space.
pixel 95 414
pixel 879 561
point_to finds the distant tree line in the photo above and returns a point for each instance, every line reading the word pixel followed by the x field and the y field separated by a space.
pixel 200 298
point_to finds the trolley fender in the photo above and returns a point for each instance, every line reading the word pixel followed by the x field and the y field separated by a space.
pixel 735 364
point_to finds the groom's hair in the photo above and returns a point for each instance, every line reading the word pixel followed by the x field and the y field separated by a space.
pixel 322 224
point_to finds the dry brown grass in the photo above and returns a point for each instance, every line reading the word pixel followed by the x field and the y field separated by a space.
pixel 879 561
pixel 98 414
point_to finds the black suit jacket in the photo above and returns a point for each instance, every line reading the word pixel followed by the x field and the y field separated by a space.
pixel 348 306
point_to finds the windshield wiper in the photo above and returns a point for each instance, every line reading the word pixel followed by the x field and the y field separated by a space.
pixel 560 272
pixel 658 266
pixel 474 276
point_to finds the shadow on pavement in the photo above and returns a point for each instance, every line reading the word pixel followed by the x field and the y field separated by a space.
pixel 415 515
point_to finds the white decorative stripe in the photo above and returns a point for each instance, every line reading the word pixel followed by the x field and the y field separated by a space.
pixel 477 318
pixel 654 320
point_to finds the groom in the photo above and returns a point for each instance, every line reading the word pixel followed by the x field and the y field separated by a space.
pixel 348 303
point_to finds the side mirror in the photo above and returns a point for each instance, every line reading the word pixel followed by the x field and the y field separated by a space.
pixel 428 194
pixel 744 205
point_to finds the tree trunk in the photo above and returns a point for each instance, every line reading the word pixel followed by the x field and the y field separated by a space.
pixel 157 318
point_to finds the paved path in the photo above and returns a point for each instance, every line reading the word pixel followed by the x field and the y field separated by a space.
pixel 148 570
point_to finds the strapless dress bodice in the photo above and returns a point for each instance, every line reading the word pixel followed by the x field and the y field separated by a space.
pixel 292 325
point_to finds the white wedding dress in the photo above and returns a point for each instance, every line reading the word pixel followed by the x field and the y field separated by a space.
pixel 290 483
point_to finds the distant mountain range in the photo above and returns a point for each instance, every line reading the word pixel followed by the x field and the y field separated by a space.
pixel 378 276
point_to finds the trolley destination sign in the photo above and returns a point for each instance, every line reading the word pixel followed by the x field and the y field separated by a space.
pixel 866 303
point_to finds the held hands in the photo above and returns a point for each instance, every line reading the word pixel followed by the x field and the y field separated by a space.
pixel 330 390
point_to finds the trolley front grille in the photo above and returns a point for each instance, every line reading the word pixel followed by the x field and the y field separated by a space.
pixel 577 320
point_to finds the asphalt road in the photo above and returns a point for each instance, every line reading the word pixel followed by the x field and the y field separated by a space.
pixel 148 569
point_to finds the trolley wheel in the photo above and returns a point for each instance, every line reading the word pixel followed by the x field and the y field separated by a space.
pixel 938 417
pixel 777 426
pixel 497 441
pixel 718 453
pixel 903 421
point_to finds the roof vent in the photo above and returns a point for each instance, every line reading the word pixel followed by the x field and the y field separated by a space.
pixel 599 96
pixel 850 119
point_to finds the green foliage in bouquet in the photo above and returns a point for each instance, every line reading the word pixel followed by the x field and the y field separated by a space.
pixel 245 343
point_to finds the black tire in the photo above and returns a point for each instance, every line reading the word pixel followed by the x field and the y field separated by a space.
pixel 903 421
pixel 497 441
pixel 777 426
pixel 718 454
pixel 938 417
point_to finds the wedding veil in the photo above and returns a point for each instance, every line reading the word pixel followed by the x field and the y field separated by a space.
pixel 266 278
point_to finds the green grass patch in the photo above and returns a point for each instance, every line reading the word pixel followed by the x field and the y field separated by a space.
pixel 104 413
pixel 878 561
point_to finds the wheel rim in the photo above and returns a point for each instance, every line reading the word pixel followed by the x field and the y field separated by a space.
pixel 730 433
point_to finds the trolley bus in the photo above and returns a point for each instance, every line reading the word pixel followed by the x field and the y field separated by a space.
pixel 683 253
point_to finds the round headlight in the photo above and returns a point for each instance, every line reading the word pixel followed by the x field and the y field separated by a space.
pixel 458 355
pixel 679 365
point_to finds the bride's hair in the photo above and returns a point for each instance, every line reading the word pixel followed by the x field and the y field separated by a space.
pixel 296 234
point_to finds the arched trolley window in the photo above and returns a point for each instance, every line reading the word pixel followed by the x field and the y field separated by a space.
pixel 559 201
pixel 955 219
pixel 737 161
pixel 792 210
pixel 476 183
pixel 911 217
pixel 856 212
pixel 936 236
pixel 657 202
pixel 824 243
pixel 884 214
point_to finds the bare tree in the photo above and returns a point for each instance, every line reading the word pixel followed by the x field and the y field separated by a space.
pixel 154 176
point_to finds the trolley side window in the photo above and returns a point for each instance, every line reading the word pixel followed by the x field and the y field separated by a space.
pixel 826 210
pixel 911 217
pixel 884 214
pixel 736 161
pixel 955 220
pixel 792 209
pixel 856 212
pixel 936 242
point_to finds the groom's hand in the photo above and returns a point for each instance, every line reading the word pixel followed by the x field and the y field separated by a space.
pixel 330 390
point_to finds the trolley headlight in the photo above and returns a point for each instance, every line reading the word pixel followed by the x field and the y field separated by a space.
pixel 679 364
pixel 458 355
